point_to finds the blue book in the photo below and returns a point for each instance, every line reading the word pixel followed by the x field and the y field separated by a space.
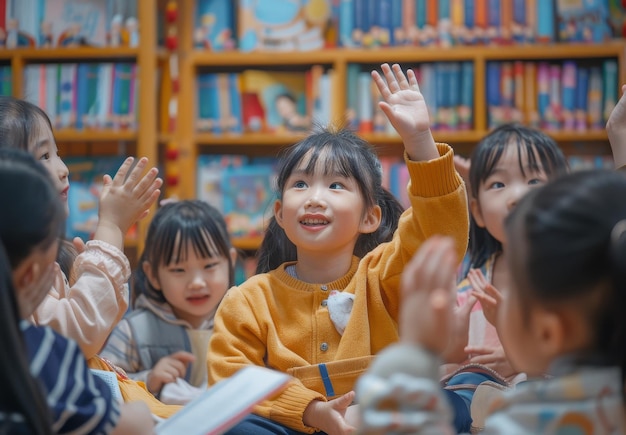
pixel 86 94
pixel 215 23
pixel 545 20
pixel 494 94
pixel 568 94
pixel 361 21
pixel 346 23
pixel 206 109
pixel 519 21
pixel 469 18
pixel 398 35
pixel 234 91
pixel 466 104
pixel 383 21
pixel 494 21
pixel 420 13
pixel 352 95
pixel 609 93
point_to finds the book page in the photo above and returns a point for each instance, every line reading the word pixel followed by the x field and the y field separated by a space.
pixel 225 403
pixel 110 378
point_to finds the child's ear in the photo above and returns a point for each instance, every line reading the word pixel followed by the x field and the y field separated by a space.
pixel 278 212
pixel 549 330
pixel 150 275
pixel 371 220
pixel 476 212
pixel 25 273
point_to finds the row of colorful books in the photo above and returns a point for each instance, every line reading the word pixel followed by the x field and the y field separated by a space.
pixel 59 23
pixel 281 25
pixel 553 96
pixel 263 101
pixel 85 95
pixel 448 88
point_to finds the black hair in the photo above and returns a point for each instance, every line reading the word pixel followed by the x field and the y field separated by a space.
pixel 345 153
pixel 173 227
pixel 21 394
pixel 36 216
pixel 530 143
pixel 20 122
pixel 573 232
pixel 20 125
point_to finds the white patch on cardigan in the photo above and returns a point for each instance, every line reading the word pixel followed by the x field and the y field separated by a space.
pixel 340 307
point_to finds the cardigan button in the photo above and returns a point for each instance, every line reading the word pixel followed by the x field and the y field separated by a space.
pixel 324 288
pixel 324 347
pixel 324 303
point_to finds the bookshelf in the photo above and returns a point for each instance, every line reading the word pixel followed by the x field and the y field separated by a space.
pixel 191 61
pixel 96 142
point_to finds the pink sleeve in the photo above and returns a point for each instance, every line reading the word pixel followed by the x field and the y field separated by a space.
pixel 89 310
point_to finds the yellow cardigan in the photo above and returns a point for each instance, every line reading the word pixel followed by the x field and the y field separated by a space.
pixel 277 321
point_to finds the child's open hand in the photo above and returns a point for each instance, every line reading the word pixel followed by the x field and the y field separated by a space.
pixel 125 199
pixel 329 416
pixel 404 105
pixel 488 296
pixel 428 292
pixel 492 357
pixel 168 369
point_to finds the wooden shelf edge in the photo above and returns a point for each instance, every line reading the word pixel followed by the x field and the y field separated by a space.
pixel 69 135
pixel 35 54
pixel 248 139
pixel 201 58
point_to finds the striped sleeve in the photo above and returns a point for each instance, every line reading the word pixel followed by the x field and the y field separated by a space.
pixel 80 402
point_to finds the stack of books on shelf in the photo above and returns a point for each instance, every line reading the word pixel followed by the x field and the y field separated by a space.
pixel 553 96
pixel 68 23
pixel 85 95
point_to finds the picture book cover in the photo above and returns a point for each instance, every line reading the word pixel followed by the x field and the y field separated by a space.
pixel 282 25
pixel 74 22
pixel 247 199
pixel 210 169
pixel 215 25
pixel 282 96
pixel 85 186
pixel 582 20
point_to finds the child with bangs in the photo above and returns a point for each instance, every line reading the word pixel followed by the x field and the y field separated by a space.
pixel 326 299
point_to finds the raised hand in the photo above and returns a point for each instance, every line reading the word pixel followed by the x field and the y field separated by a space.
pixel 125 199
pixel 488 296
pixel 330 417
pixel 168 369
pixel 404 105
pixel 429 295
pixel 455 353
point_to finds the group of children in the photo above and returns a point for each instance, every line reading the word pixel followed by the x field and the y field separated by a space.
pixel 354 297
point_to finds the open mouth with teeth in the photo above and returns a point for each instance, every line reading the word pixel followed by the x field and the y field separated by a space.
pixel 314 222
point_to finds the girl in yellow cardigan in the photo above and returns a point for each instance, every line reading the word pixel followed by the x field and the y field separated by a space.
pixel 335 213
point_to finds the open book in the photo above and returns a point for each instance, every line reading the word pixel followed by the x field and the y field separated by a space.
pixel 225 403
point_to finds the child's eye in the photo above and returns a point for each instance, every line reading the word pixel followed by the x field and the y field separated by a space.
pixel 299 184
pixel 177 269
pixel 210 265
pixel 496 185
pixel 535 181
pixel 45 156
pixel 336 185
